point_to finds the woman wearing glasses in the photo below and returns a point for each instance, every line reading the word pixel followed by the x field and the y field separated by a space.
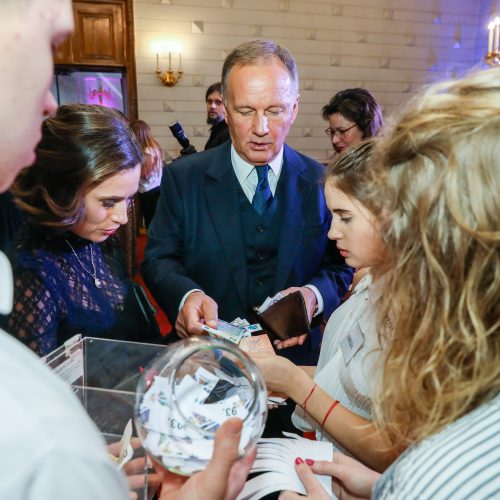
pixel 352 115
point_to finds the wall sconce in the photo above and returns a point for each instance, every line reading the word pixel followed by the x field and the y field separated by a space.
pixel 493 55
pixel 169 77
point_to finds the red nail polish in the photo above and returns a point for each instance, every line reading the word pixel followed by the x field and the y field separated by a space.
pixel 309 461
pixel 299 461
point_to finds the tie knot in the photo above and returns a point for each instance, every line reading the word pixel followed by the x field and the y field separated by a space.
pixel 262 172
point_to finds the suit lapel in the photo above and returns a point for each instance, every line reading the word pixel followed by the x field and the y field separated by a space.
pixel 294 190
pixel 222 201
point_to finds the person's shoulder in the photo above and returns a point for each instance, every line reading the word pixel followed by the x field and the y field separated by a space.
pixel 26 246
pixel 189 165
pixel 312 166
pixel 460 461
pixel 36 397
pixel 33 247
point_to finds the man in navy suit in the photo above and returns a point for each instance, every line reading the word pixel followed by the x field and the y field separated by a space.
pixel 246 219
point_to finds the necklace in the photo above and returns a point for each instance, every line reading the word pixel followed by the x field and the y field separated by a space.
pixel 97 281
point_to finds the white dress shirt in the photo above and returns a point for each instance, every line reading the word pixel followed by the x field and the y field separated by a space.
pixel 246 173
pixel 353 382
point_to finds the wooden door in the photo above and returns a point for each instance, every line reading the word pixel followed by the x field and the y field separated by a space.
pixel 99 34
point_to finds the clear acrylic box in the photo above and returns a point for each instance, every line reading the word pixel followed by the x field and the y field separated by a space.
pixel 104 375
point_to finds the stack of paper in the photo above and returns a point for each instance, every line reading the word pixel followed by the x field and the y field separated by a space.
pixel 275 459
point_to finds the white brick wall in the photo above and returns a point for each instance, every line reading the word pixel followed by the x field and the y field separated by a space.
pixel 391 47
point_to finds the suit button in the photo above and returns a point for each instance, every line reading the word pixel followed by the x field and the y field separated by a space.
pixel 259 282
pixel 260 228
pixel 260 257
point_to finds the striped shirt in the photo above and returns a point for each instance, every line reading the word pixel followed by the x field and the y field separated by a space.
pixel 460 462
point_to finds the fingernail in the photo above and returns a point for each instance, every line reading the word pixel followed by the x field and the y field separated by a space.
pixel 299 461
pixel 309 461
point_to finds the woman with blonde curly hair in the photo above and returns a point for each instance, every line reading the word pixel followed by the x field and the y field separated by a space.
pixel 436 185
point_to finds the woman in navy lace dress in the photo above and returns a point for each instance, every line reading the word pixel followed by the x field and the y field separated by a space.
pixel 68 271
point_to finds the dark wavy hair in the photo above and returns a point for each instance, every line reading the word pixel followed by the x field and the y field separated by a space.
pixel 215 87
pixel 81 147
pixel 358 106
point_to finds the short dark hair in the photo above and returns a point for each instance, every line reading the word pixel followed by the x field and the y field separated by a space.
pixel 260 50
pixel 358 106
pixel 81 147
pixel 215 87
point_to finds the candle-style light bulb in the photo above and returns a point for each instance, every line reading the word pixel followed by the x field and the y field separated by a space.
pixel 496 36
pixel 491 29
pixel 170 60
pixel 157 62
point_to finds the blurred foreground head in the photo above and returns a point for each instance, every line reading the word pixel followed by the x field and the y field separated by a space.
pixel 436 185
pixel 29 32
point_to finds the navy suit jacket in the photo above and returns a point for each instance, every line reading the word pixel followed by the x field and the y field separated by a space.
pixel 196 237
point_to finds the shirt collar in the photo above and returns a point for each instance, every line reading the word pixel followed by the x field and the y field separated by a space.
pixel 6 286
pixel 375 291
pixel 243 169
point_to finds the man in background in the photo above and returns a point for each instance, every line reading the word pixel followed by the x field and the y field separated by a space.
pixel 219 132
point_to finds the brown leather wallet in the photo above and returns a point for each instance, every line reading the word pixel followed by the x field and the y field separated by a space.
pixel 285 318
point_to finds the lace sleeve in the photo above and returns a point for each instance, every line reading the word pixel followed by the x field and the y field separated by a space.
pixel 34 318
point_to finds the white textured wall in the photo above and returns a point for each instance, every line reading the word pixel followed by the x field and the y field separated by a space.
pixel 391 47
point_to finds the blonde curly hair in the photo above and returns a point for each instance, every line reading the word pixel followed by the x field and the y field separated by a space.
pixel 435 187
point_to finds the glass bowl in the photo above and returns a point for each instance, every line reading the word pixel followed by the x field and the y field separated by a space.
pixel 187 393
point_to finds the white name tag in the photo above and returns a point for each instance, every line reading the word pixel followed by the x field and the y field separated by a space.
pixel 352 343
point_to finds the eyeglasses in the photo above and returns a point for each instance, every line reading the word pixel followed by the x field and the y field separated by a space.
pixel 332 132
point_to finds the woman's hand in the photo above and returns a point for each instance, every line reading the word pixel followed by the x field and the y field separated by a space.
pixel 224 477
pixel 351 480
pixel 278 372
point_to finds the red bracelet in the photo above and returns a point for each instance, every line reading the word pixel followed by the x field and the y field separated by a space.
pixel 303 405
pixel 334 404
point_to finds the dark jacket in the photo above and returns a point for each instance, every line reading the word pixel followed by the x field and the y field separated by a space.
pixel 196 237
pixel 219 134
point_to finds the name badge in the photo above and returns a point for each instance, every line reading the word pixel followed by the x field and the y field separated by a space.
pixel 352 343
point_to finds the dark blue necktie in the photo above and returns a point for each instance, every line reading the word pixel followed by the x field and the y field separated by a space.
pixel 263 195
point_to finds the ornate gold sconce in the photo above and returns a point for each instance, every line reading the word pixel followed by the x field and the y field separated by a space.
pixel 169 77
